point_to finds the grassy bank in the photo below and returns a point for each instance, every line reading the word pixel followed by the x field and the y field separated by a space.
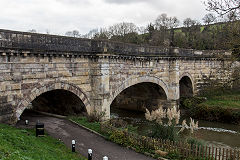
pixel 221 106
pixel 95 126
pixel 22 144
pixel 227 99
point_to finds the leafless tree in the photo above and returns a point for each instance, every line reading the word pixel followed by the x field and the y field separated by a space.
pixel 122 29
pixel 188 22
pixel 223 7
pixel 165 22
pixel 232 16
pixel 142 30
pixel 32 30
pixel 161 21
pixel 74 33
pixel 102 34
pixel 91 34
pixel 209 18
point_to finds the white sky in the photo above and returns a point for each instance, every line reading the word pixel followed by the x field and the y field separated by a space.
pixel 59 16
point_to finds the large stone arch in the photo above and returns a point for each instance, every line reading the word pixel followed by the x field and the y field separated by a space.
pixel 35 92
pixel 132 81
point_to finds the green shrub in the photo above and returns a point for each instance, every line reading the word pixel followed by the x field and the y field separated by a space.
pixel 188 103
pixel 122 124
pixel 164 132
pixel 96 116
pixel 119 137
pixel 118 123
pixel 174 156
pixel 133 129
pixel 215 113
pixel 193 141
pixel 236 117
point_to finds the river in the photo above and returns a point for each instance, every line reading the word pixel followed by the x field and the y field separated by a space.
pixel 219 134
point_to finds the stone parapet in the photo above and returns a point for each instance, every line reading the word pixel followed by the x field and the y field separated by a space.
pixel 56 44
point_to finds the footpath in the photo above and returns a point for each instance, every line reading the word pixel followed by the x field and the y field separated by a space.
pixel 67 131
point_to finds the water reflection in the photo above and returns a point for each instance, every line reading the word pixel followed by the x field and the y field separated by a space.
pixel 215 133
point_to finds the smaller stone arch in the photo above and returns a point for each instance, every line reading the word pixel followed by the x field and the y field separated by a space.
pixel 132 81
pixel 35 92
pixel 186 74
pixel 186 78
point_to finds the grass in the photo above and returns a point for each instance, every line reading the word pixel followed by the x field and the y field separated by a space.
pixel 22 144
pixel 225 99
pixel 83 121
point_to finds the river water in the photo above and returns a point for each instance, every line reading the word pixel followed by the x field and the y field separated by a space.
pixel 218 134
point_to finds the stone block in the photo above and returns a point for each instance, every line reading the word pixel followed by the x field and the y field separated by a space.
pixel 16 86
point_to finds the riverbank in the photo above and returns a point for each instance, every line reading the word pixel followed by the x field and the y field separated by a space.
pixel 119 136
pixel 114 136
pixel 20 144
pixel 225 99
pixel 219 106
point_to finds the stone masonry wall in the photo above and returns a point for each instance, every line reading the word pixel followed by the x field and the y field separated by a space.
pixel 96 80
pixel 96 71
pixel 23 77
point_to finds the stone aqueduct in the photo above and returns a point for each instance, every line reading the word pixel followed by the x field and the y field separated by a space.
pixel 96 71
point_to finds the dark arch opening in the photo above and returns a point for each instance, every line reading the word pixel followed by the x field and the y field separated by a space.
pixel 139 97
pixel 185 87
pixel 59 101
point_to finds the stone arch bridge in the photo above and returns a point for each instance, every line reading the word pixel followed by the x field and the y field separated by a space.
pixel 96 71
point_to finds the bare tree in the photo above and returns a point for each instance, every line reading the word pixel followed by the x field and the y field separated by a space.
pixel 161 22
pixel 68 33
pixel 32 30
pixel 102 34
pixel 232 16
pixel 74 33
pixel 91 34
pixel 165 26
pixel 223 7
pixel 173 22
pixel 122 29
pixel 142 30
pixel 188 22
pixel 209 18
pixel 165 22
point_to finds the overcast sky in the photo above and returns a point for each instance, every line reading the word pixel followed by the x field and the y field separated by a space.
pixel 59 16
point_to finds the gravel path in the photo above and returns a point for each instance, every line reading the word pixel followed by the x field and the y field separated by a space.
pixel 67 131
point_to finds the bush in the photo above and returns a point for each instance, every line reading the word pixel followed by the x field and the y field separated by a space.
pixel 164 132
pixel 96 116
pixel 174 156
pixel 236 116
pixel 118 137
pixel 188 103
pixel 193 141
pixel 215 113
pixel 120 123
